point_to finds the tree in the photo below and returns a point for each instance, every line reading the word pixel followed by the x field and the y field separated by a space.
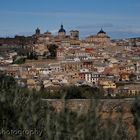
pixel 132 77
pixel 32 55
pixel 53 50
pixel 136 112
pixel 71 92
pixel 19 61
pixel 7 82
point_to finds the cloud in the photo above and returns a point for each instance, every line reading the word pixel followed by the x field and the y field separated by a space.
pixel 55 13
pixel 90 26
pixel 54 31
pixel 126 29
pixel 25 33
pixel 130 30
pixel 113 30
pixel 81 14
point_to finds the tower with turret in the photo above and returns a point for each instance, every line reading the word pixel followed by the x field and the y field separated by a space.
pixel 37 32
pixel 74 34
pixel 62 32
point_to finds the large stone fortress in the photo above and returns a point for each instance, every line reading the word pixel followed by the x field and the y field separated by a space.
pixel 62 39
pixel 100 38
pixel 61 33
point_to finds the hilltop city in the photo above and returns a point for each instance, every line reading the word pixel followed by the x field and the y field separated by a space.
pixel 49 61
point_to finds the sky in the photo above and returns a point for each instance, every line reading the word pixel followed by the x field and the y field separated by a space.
pixel 119 18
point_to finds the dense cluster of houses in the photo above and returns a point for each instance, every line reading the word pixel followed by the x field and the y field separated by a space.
pixel 113 65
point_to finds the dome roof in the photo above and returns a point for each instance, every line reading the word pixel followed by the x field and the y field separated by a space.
pixel 62 29
pixel 101 32
pixel 37 29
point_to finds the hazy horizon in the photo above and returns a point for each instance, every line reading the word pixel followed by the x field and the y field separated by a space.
pixel 120 19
